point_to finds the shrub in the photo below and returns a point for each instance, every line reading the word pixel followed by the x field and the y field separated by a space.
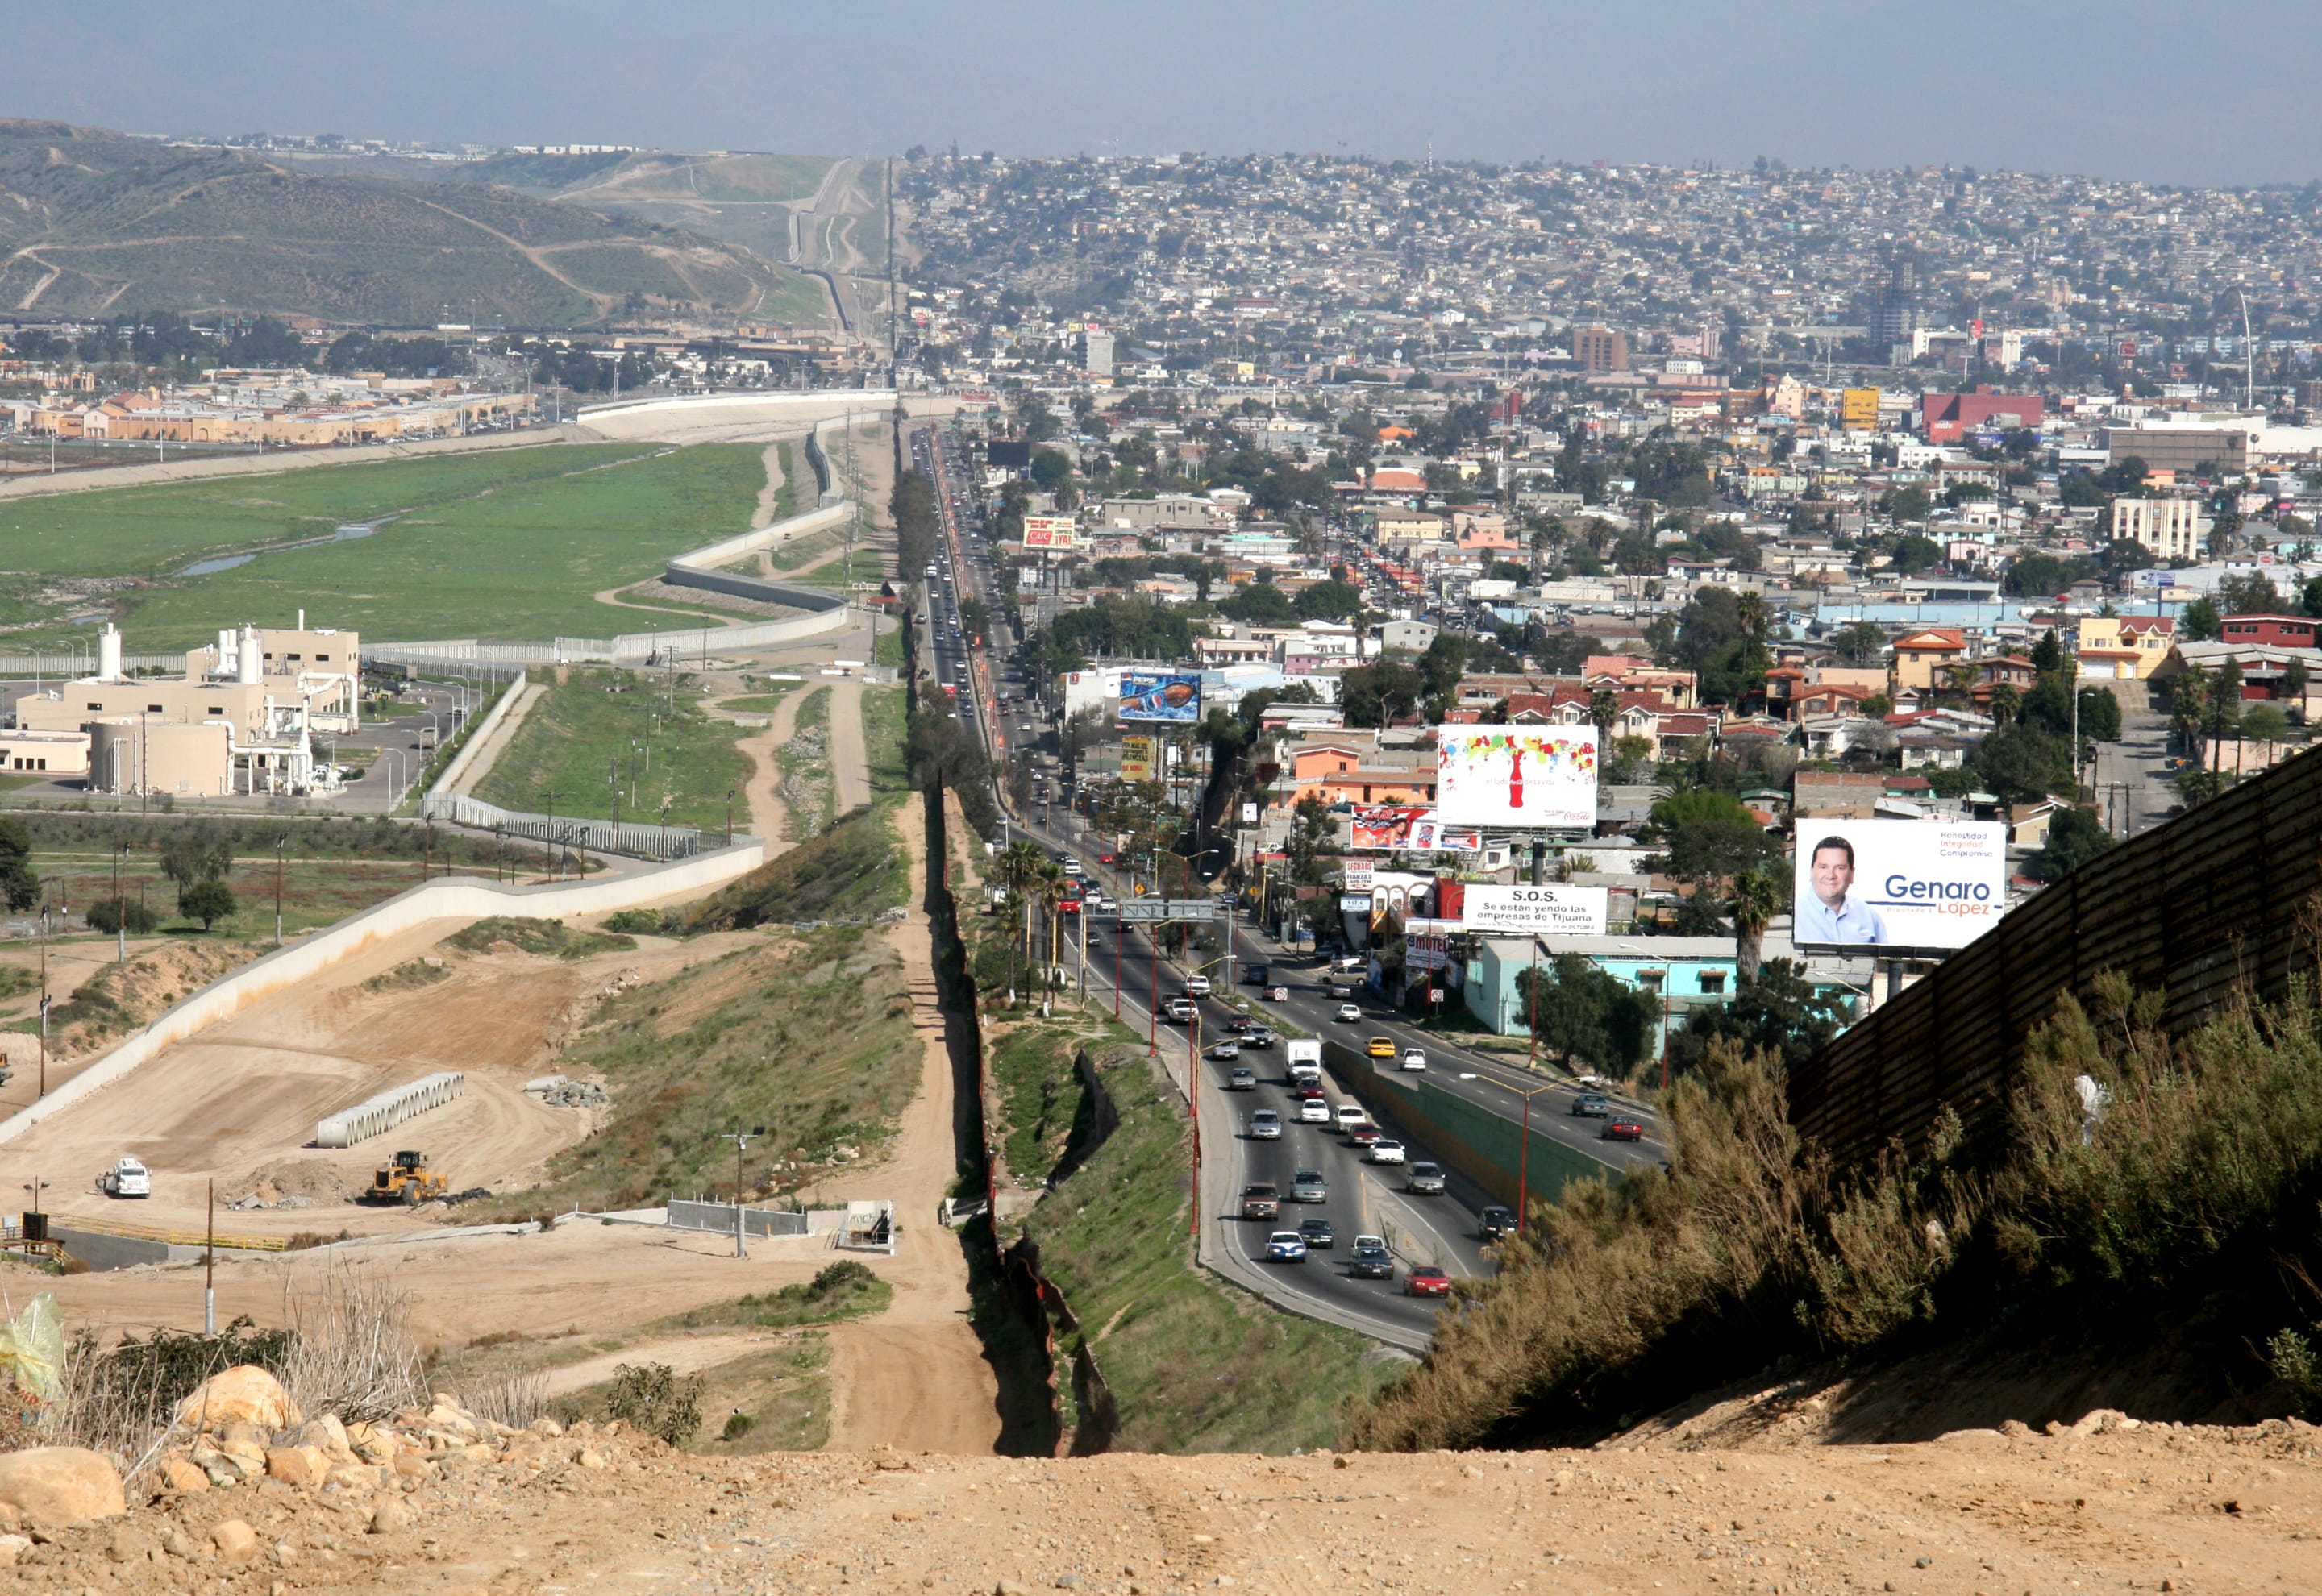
pixel 206 901
pixel 737 1425
pixel 109 916
pixel 636 922
pixel 653 1399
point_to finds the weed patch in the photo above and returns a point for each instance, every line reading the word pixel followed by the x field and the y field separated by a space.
pixel 551 939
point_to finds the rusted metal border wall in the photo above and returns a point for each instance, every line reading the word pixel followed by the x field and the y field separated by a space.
pixel 2191 909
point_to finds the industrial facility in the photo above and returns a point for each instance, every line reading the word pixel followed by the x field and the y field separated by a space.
pixel 242 719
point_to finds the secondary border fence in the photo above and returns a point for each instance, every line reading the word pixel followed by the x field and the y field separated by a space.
pixel 641 841
pixel 2219 898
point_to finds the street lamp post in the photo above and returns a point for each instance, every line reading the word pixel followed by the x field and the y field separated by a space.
pixel 1523 1157
pixel 741 1139
pixel 280 843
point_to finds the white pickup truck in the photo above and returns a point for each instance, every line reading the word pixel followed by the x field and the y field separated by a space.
pixel 126 1177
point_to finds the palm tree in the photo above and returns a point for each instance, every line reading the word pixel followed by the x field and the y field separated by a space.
pixel 1757 897
pixel 1603 708
pixel 1016 868
pixel 2007 700
pixel 1051 889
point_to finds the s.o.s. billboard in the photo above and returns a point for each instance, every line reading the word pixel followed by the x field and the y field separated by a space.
pixel 1898 883
pixel 1516 776
pixel 1148 695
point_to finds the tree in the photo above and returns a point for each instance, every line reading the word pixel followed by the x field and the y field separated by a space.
pixel 1907 504
pixel 2200 622
pixel 1374 694
pixel 2266 724
pixel 2075 835
pixel 1588 1017
pixel 1915 553
pixel 1310 826
pixel 1756 899
pixel 1860 642
pixel 2293 682
pixel 206 901
pixel 2251 595
pixel 1332 600
pixel 2022 764
pixel 1259 604
pixel 1780 1014
pixel 2099 715
pixel 192 854
pixel 19 884
pixel 1709 835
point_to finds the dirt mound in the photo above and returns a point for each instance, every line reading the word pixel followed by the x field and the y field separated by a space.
pixel 288 1183
pixel 483 1506
pixel 120 997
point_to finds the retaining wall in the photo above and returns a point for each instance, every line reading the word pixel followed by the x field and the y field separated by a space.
pixel 481 732
pixel 1470 1137
pixel 718 1217
pixel 447 897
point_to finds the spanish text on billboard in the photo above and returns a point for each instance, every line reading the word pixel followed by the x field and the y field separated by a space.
pixel 1150 695
pixel 1516 776
pixel 1537 911
pixel 1898 883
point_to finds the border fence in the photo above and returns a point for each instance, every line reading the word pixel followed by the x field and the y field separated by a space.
pixel 640 841
pixel 2214 899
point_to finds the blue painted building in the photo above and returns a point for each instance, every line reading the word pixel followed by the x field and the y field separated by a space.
pixel 1684 972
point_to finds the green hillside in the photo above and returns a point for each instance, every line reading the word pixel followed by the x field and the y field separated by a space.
pixel 91 220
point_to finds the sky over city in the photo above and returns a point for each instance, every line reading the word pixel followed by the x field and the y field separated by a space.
pixel 2153 89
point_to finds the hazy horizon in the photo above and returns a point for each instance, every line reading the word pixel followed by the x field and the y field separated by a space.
pixel 2038 85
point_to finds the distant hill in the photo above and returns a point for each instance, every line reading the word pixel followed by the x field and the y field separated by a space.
pixel 93 222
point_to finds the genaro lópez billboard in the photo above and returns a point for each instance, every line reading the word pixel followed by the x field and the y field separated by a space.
pixel 1898 883
pixel 1516 776
pixel 1147 695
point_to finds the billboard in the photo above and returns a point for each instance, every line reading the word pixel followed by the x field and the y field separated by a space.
pixel 1136 759
pixel 1053 532
pixel 1898 883
pixel 1152 695
pixel 1431 836
pixel 1858 409
pixel 1516 776
pixel 1383 826
pixel 1538 911
pixel 1355 873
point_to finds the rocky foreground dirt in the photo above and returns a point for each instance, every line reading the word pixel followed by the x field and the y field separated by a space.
pixel 436 1501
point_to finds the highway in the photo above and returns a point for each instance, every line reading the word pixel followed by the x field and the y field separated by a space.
pixel 1363 1198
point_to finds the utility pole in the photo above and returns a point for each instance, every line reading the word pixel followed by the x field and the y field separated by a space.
pixel 741 1139
pixel 278 845
pixel 209 1268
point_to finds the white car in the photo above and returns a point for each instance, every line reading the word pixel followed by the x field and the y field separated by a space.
pixel 1385 1151
pixel 1313 1111
pixel 1350 1012
pixel 1350 1115
pixel 126 1177
pixel 1265 1126
pixel 1414 1058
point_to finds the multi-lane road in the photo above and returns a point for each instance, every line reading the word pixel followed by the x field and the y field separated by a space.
pixel 1123 970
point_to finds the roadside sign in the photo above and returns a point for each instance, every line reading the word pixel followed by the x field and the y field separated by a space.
pixel 1156 909
pixel 1228 900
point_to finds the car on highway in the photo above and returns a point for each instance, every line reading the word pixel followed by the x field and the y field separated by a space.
pixel 1351 1013
pixel 1179 1011
pixel 1308 1186
pixel 1259 1037
pixel 1266 1124
pixel 1285 1247
pixel 1591 1105
pixel 1339 988
pixel 1317 1232
pixel 1241 1077
pixel 1424 1179
pixel 1313 1111
pixel 1303 1090
pixel 1621 1130
pixel 1240 1023
pixel 1425 1280
pixel 1382 1047
pixel 1277 994
pixel 1347 1116
pixel 1228 1049
pixel 1495 1222
pixel 1261 1201
pixel 1364 1134
pixel 1255 975
pixel 1414 1058
pixel 1385 1150
pixel 1104 859
pixel 1197 986
pixel 1370 1260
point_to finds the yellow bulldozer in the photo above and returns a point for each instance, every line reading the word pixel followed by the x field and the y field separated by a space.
pixel 407 1179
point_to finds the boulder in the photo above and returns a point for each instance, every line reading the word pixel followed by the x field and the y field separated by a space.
pixel 11 1545
pixel 235 1541
pixel 245 1394
pixel 389 1516
pixel 61 1485
pixel 330 1435
pixel 179 1472
pixel 298 1465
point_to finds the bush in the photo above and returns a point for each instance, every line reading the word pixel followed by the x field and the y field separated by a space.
pixel 209 902
pixel 109 915
pixel 737 1425
pixel 636 922
pixel 653 1399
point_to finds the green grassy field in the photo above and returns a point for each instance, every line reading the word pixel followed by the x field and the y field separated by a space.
pixel 570 739
pixel 505 544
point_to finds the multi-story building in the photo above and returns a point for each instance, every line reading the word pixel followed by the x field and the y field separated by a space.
pixel 1600 350
pixel 2172 528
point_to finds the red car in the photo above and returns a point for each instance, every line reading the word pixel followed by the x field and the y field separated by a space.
pixel 1305 1093
pixel 1425 1280
pixel 1104 859
pixel 1622 1130
pixel 1364 1134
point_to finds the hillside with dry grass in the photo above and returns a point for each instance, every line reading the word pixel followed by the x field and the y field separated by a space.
pixel 94 223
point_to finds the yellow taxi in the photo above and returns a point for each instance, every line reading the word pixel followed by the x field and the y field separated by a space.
pixel 1382 1047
